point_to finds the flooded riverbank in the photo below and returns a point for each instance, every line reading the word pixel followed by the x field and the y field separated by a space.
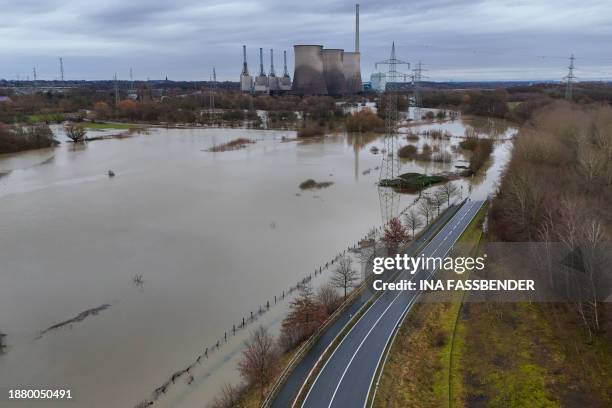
pixel 211 234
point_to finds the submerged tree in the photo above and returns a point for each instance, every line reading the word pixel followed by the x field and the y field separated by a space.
pixel 76 133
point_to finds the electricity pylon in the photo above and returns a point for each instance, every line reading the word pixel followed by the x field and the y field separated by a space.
pixel 570 77
pixel 417 77
pixel 390 166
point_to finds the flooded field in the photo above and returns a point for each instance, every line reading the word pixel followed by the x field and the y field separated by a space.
pixel 110 285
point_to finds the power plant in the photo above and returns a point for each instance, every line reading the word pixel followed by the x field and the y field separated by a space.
pixel 317 71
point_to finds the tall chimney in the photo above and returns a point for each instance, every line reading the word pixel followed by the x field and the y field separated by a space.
pixel 357 27
pixel 245 70
pixel 261 70
pixel 272 63
pixel 285 72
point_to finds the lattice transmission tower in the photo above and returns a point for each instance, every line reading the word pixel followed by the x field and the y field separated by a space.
pixel 213 80
pixel 570 78
pixel 390 166
pixel 417 77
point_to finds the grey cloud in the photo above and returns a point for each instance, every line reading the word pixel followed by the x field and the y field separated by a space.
pixel 492 39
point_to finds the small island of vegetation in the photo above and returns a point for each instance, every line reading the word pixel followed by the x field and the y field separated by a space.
pixel 412 182
pixel 311 184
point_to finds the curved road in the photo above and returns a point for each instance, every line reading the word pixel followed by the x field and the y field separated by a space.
pixel 347 376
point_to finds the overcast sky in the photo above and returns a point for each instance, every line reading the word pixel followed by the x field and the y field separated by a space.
pixel 184 39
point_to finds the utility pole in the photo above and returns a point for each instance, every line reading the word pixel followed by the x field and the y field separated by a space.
pixel 390 167
pixel 569 87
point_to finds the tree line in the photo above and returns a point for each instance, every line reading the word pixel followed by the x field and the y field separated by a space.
pixel 558 188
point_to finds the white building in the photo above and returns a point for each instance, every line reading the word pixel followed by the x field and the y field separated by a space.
pixel 379 81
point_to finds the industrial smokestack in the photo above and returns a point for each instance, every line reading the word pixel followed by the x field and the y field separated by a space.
pixel 246 81
pixel 262 84
pixel 334 71
pixel 308 77
pixel 261 70
pixel 272 79
pixel 245 69
pixel 272 74
pixel 352 62
pixel 357 27
pixel 285 72
pixel 284 83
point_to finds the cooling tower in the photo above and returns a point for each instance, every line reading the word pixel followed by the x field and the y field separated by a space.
pixel 333 69
pixel 308 77
pixel 352 72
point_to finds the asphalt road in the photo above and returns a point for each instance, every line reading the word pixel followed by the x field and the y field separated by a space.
pixel 297 377
pixel 346 377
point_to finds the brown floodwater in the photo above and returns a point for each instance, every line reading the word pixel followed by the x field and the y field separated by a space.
pixel 213 236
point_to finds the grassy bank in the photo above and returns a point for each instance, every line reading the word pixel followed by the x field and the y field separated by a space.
pixel 463 354
pixel 118 126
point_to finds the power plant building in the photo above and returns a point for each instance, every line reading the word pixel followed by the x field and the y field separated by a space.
pixel 246 81
pixel 284 83
pixel 378 81
pixel 317 71
pixel 263 83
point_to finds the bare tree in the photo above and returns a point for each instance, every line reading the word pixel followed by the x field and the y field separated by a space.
pixel 591 162
pixel 76 133
pixel 344 275
pixel 328 298
pixel 594 263
pixel 259 359
pixel 438 199
pixel 526 195
pixel 413 221
pixel 450 190
pixel 568 230
pixel 228 397
pixel 426 208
